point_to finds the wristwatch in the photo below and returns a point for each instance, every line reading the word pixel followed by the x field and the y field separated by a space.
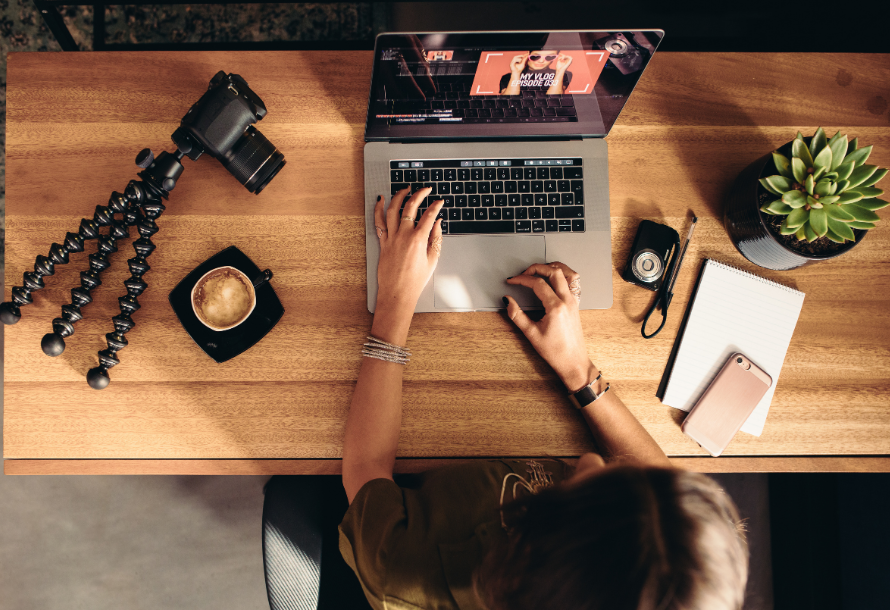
pixel 586 395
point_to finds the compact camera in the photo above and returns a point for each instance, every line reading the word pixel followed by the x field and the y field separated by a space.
pixel 650 255
pixel 623 54
pixel 221 124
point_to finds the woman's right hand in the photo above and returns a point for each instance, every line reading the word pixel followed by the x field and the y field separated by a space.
pixel 558 336
pixel 518 63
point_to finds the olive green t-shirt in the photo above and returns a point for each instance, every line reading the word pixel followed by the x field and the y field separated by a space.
pixel 417 545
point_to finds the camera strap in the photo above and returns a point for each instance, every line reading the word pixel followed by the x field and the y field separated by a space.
pixel 665 294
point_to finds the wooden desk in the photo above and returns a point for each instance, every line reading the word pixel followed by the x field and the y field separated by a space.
pixel 475 388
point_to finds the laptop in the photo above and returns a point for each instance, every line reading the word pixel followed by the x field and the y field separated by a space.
pixel 507 128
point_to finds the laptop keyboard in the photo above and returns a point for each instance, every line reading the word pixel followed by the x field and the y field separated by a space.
pixel 496 196
pixel 459 105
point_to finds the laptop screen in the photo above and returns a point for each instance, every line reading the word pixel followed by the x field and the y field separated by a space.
pixel 503 84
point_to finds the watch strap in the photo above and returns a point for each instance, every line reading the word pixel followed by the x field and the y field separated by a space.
pixel 587 395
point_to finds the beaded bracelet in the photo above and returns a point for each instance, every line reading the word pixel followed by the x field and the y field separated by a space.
pixel 388 352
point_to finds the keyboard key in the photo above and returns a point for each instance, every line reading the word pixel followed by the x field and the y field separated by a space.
pixel 460 201
pixel 476 173
pixel 515 173
pixel 552 227
pixel 444 188
pixel 530 173
pixel 444 226
pixel 563 185
pixel 550 186
pixel 482 214
pixel 565 112
pixel 508 214
pixel 528 199
pixel 474 201
pixel 521 213
pixel 423 175
pixel 577 225
pixel 556 173
pixel 497 187
pixel 430 185
pixel 543 173
pixel 469 187
pixel 537 186
pixel 494 214
pixel 410 175
pixel 491 173
pixel 534 212
pixel 570 212
pixel 503 173
pixel 454 214
pixel 484 187
pixel 496 226
pixel 577 186
pixel 572 172
pixel 547 212
pixel 565 225
pixel 436 174
pixel 457 188
pixel 567 198
pixel 523 226
pixel 416 187
pixel 463 174
pixel 538 226
pixel 487 201
pixel 467 214
pixel 500 200
pixel 540 199
pixel 398 186
pixel 553 198
pixel 395 175
pixel 579 197
pixel 449 201
pixel 450 175
pixel 510 186
pixel 549 111
pixel 524 186
pixel 514 200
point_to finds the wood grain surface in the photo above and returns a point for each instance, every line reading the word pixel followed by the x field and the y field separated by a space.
pixel 474 387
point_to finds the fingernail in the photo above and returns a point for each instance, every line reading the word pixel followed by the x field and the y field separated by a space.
pixel 510 278
pixel 506 302
pixel 379 197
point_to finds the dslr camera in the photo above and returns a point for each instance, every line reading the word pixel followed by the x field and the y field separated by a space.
pixel 221 124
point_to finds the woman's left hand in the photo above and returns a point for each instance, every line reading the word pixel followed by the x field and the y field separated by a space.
pixel 408 253
pixel 563 62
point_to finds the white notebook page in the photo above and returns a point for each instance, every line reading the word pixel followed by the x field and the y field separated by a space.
pixel 733 311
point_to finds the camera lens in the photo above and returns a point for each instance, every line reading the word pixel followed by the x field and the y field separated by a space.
pixel 647 266
pixel 253 160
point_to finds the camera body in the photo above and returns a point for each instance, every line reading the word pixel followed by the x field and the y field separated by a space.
pixel 221 124
pixel 649 254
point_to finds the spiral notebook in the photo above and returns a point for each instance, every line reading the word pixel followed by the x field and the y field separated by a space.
pixel 732 311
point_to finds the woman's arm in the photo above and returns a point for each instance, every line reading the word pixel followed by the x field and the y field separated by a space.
pixel 408 256
pixel 559 339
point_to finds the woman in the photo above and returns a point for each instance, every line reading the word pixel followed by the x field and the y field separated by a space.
pixel 623 530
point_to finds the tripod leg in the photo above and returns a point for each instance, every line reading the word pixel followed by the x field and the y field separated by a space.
pixel 45 265
pixel 150 208
pixel 53 343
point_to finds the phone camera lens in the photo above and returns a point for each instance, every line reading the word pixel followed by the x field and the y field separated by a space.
pixel 739 360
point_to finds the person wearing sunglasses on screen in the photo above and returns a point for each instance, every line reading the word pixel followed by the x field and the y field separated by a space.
pixel 532 71
pixel 621 531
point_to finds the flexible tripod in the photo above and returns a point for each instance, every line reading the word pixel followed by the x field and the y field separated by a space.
pixel 140 204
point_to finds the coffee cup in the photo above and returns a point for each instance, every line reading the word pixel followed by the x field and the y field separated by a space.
pixel 224 298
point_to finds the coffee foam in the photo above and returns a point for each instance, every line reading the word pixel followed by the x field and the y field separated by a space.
pixel 223 298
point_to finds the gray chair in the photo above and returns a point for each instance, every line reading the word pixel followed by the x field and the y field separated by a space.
pixel 303 566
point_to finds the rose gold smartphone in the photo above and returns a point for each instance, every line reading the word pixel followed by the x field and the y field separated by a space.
pixel 726 404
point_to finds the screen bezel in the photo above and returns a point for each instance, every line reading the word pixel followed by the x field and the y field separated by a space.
pixel 589 125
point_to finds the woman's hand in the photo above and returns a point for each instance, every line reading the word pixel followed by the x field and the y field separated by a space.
pixel 517 65
pixel 563 62
pixel 558 336
pixel 408 253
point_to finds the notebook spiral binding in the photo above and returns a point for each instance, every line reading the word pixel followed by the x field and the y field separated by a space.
pixel 752 276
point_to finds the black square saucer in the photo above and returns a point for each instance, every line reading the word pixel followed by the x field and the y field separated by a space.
pixel 226 344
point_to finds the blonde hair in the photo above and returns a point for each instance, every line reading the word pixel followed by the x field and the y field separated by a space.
pixel 628 538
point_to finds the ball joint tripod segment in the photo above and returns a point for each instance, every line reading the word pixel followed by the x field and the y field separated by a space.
pixel 158 179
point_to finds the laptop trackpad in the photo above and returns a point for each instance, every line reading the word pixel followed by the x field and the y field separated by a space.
pixel 473 270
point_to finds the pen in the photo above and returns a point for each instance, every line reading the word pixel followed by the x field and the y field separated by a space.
pixel 670 287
